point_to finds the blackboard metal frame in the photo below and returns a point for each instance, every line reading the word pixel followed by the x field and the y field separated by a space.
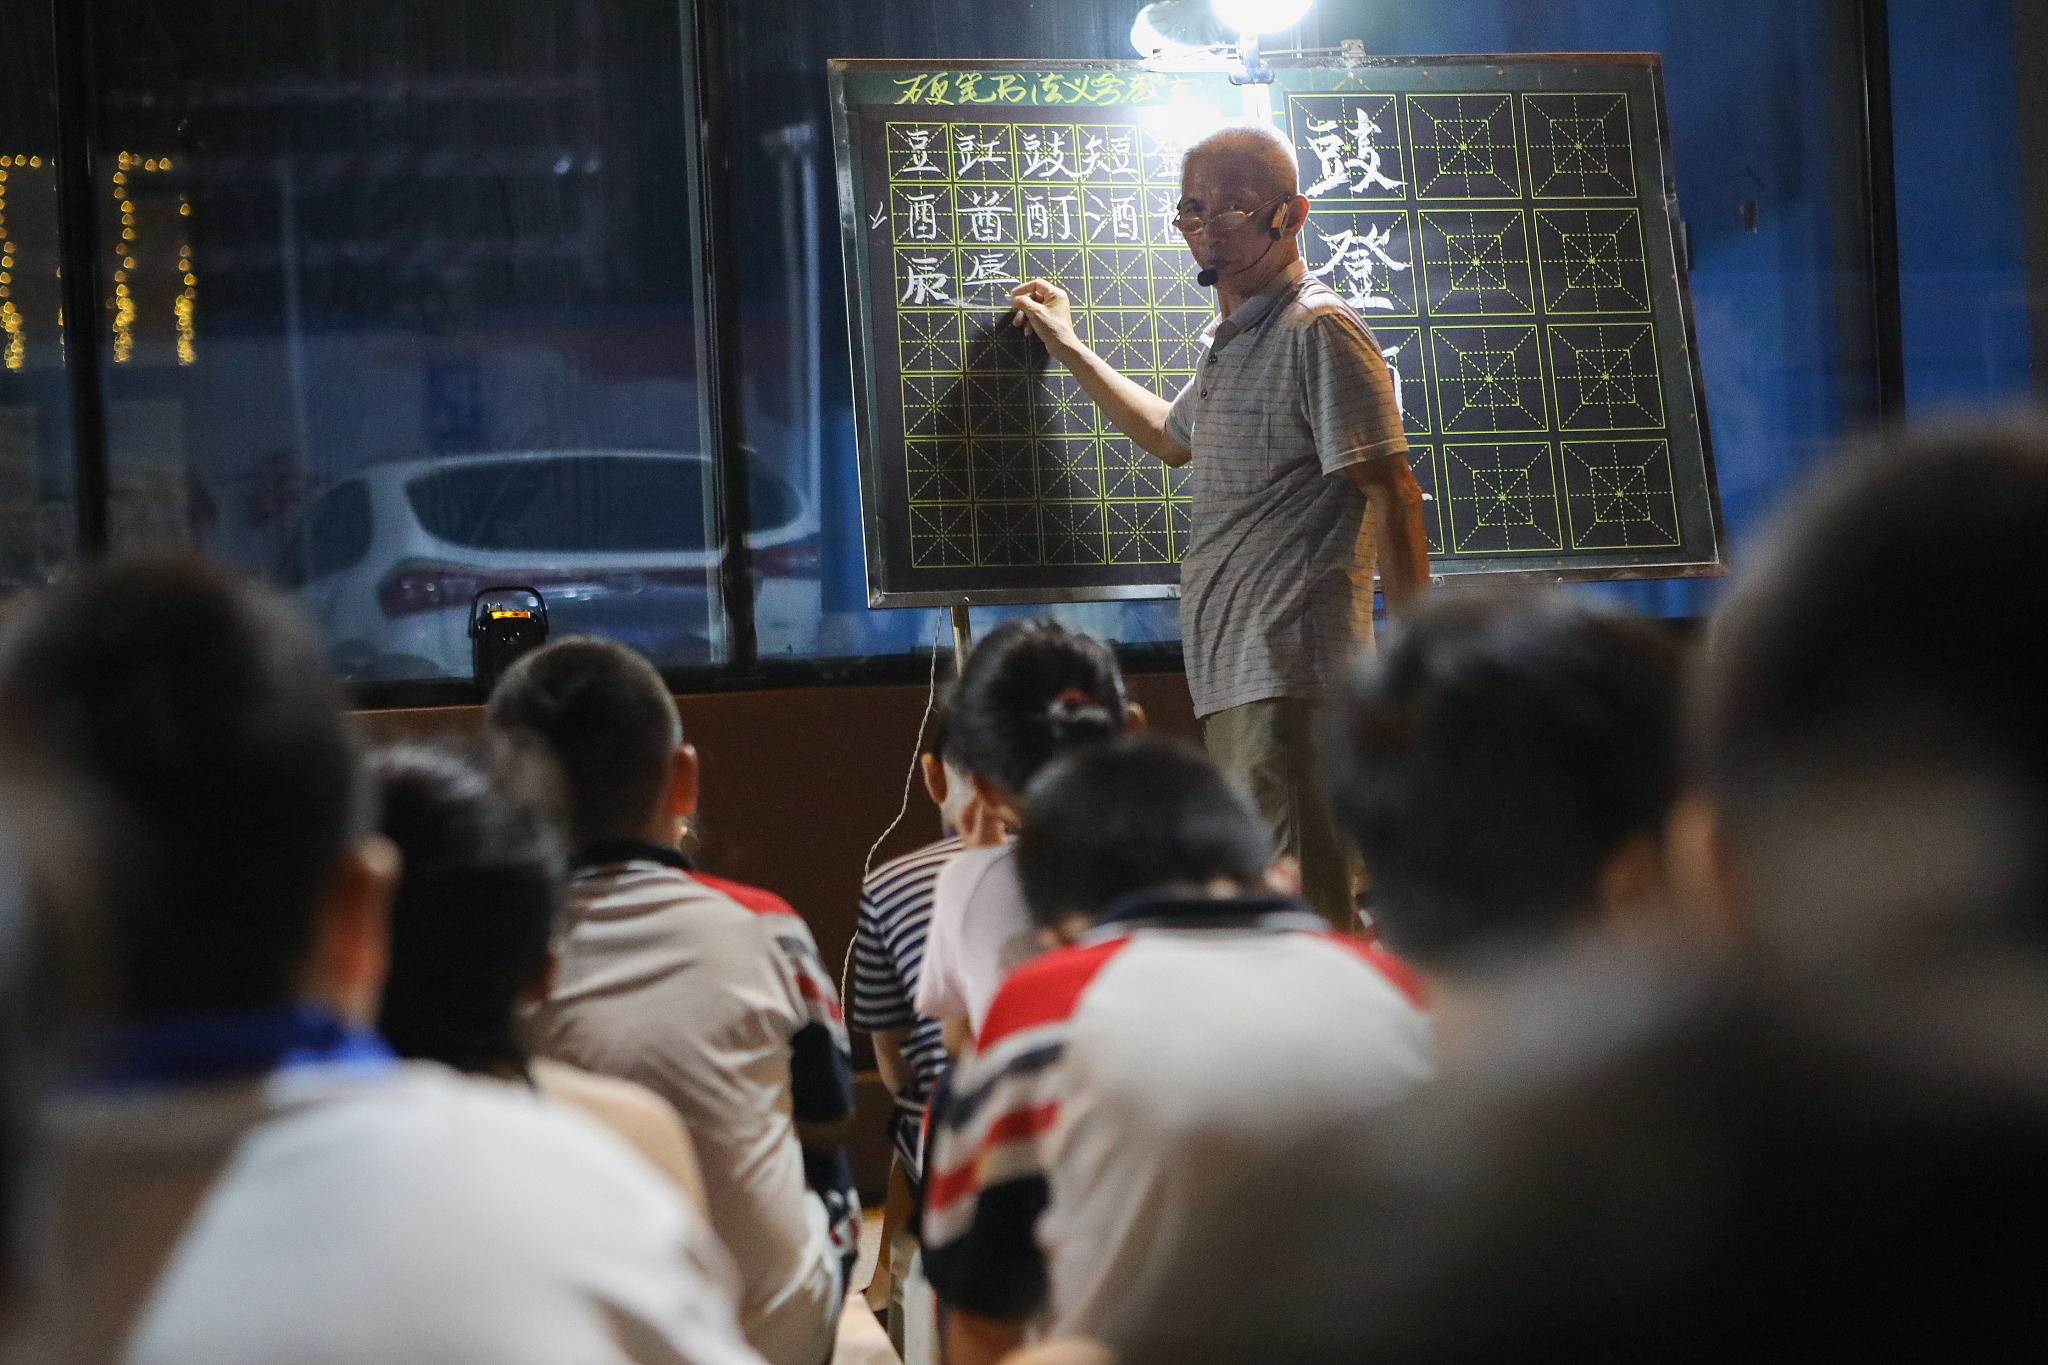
pixel 859 327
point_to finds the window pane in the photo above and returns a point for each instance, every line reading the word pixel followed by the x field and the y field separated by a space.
pixel 1761 111
pixel 38 520
pixel 400 308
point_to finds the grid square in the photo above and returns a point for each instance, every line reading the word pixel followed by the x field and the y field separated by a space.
pixel 1005 471
pixel 1117 277
pixel 938 471
pixel 1124 339
pixel 921 215
pixel 1070 469
pixel 1138 533
pixel 1113 215
pixel 916 152
pixel 1006 534
pixel 986 215
pixel 1348 146
pixel 1580 146
pixel 1403 350
pixel 1173 282
pixel 998 404
pixel 1049 214
pixel 942 536
pixel 1592 261
pixel 1607 376
pixel 1619 496
pixel 929 342
pixel 1501 499
pixel 934 405
pixel 1477 262
pixel 1464 146
pixel 1109 154
pixel 1367 258
pixel 1488 379
pixel 925 277
pixel 1073 533
pixel 1047 154
pixel 981 152
pixel 1128 472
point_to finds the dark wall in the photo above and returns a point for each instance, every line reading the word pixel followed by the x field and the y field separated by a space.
pixel 797 785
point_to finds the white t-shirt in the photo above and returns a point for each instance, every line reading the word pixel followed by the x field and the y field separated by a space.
pixel 1121 1083
pixel 413 1214
pixel 670 983
pixel 981 931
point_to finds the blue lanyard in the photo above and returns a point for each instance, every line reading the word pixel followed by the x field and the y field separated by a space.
pixel 224 1045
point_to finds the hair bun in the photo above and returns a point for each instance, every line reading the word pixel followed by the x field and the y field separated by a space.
pixel 1076 718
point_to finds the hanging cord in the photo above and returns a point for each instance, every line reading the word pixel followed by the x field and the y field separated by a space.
pixel 931 697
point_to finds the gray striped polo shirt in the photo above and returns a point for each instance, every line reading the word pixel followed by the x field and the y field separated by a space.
pixel 1276 584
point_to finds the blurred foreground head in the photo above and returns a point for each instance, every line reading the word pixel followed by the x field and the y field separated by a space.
pixel 1874 722
pixel 181 781
pixel 1506 765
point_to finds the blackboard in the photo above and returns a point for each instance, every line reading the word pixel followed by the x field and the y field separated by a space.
pixel 1506 225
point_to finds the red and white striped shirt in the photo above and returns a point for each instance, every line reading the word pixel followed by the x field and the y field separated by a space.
pixel 1118 1080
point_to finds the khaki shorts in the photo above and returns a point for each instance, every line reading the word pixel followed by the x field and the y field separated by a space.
pixel 1269 748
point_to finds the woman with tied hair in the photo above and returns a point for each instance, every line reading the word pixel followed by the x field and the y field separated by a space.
pixel 1030 691
pixel 473 925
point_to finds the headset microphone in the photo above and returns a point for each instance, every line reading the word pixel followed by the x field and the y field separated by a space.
pixel 1207 279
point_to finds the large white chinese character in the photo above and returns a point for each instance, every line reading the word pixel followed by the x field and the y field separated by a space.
pixel 1347 155
pixel 1121 215
pixel 1111 156
pixel 925 283
pixel 1050 216
pixel 1356 261
pixel 984 215
pixel 921 219
pixel 919 141
pixel 1167 152
pixel 976 151
pixel 1045 155
pixel 989 267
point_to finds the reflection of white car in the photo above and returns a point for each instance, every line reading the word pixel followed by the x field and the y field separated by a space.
pixel 616 540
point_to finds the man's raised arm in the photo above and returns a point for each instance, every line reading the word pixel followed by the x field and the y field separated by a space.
pixel 1045 311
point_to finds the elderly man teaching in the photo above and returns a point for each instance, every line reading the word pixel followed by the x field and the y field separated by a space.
pixel 1300 480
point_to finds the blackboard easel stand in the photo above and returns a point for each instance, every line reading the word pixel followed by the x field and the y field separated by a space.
pixel 963 639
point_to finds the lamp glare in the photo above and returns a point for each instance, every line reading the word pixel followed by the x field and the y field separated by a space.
pixel 1260 16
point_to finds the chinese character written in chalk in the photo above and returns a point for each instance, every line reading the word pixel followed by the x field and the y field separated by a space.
pixel 1347 155
pixel 925 283
pixel 1392 355
pixel 921 217
pixel 1121 214
pixel 984 214
pixel 1045 155
pixel 976 151
pixel 1357 261
pixel 1111 156
pixel 919 141
pixel 1050 217
pixel 989 268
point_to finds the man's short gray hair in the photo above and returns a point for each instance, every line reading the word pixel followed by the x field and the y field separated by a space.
pixel 1259 150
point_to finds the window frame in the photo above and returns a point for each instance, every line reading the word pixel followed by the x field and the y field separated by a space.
pixel 712 103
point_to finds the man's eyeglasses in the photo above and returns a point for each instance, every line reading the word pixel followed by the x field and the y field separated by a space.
pixel 1230 220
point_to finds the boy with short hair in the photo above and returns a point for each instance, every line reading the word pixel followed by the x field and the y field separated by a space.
pixel 174 760
pixel 1193 1021
pixel 710 994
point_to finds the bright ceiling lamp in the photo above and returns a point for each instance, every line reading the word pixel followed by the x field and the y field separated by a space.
pixel 1176 28
pixel 1251 17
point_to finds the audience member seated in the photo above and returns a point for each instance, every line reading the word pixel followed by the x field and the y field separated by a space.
pixel 1196 1022
pixel 472 940
pixel 1829 1150
pixel 668 979
pixel 888 950
pixel 170 739
pixel 1506 768
pixel 1031 690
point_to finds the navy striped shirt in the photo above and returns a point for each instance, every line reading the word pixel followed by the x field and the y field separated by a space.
pixel 888 951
